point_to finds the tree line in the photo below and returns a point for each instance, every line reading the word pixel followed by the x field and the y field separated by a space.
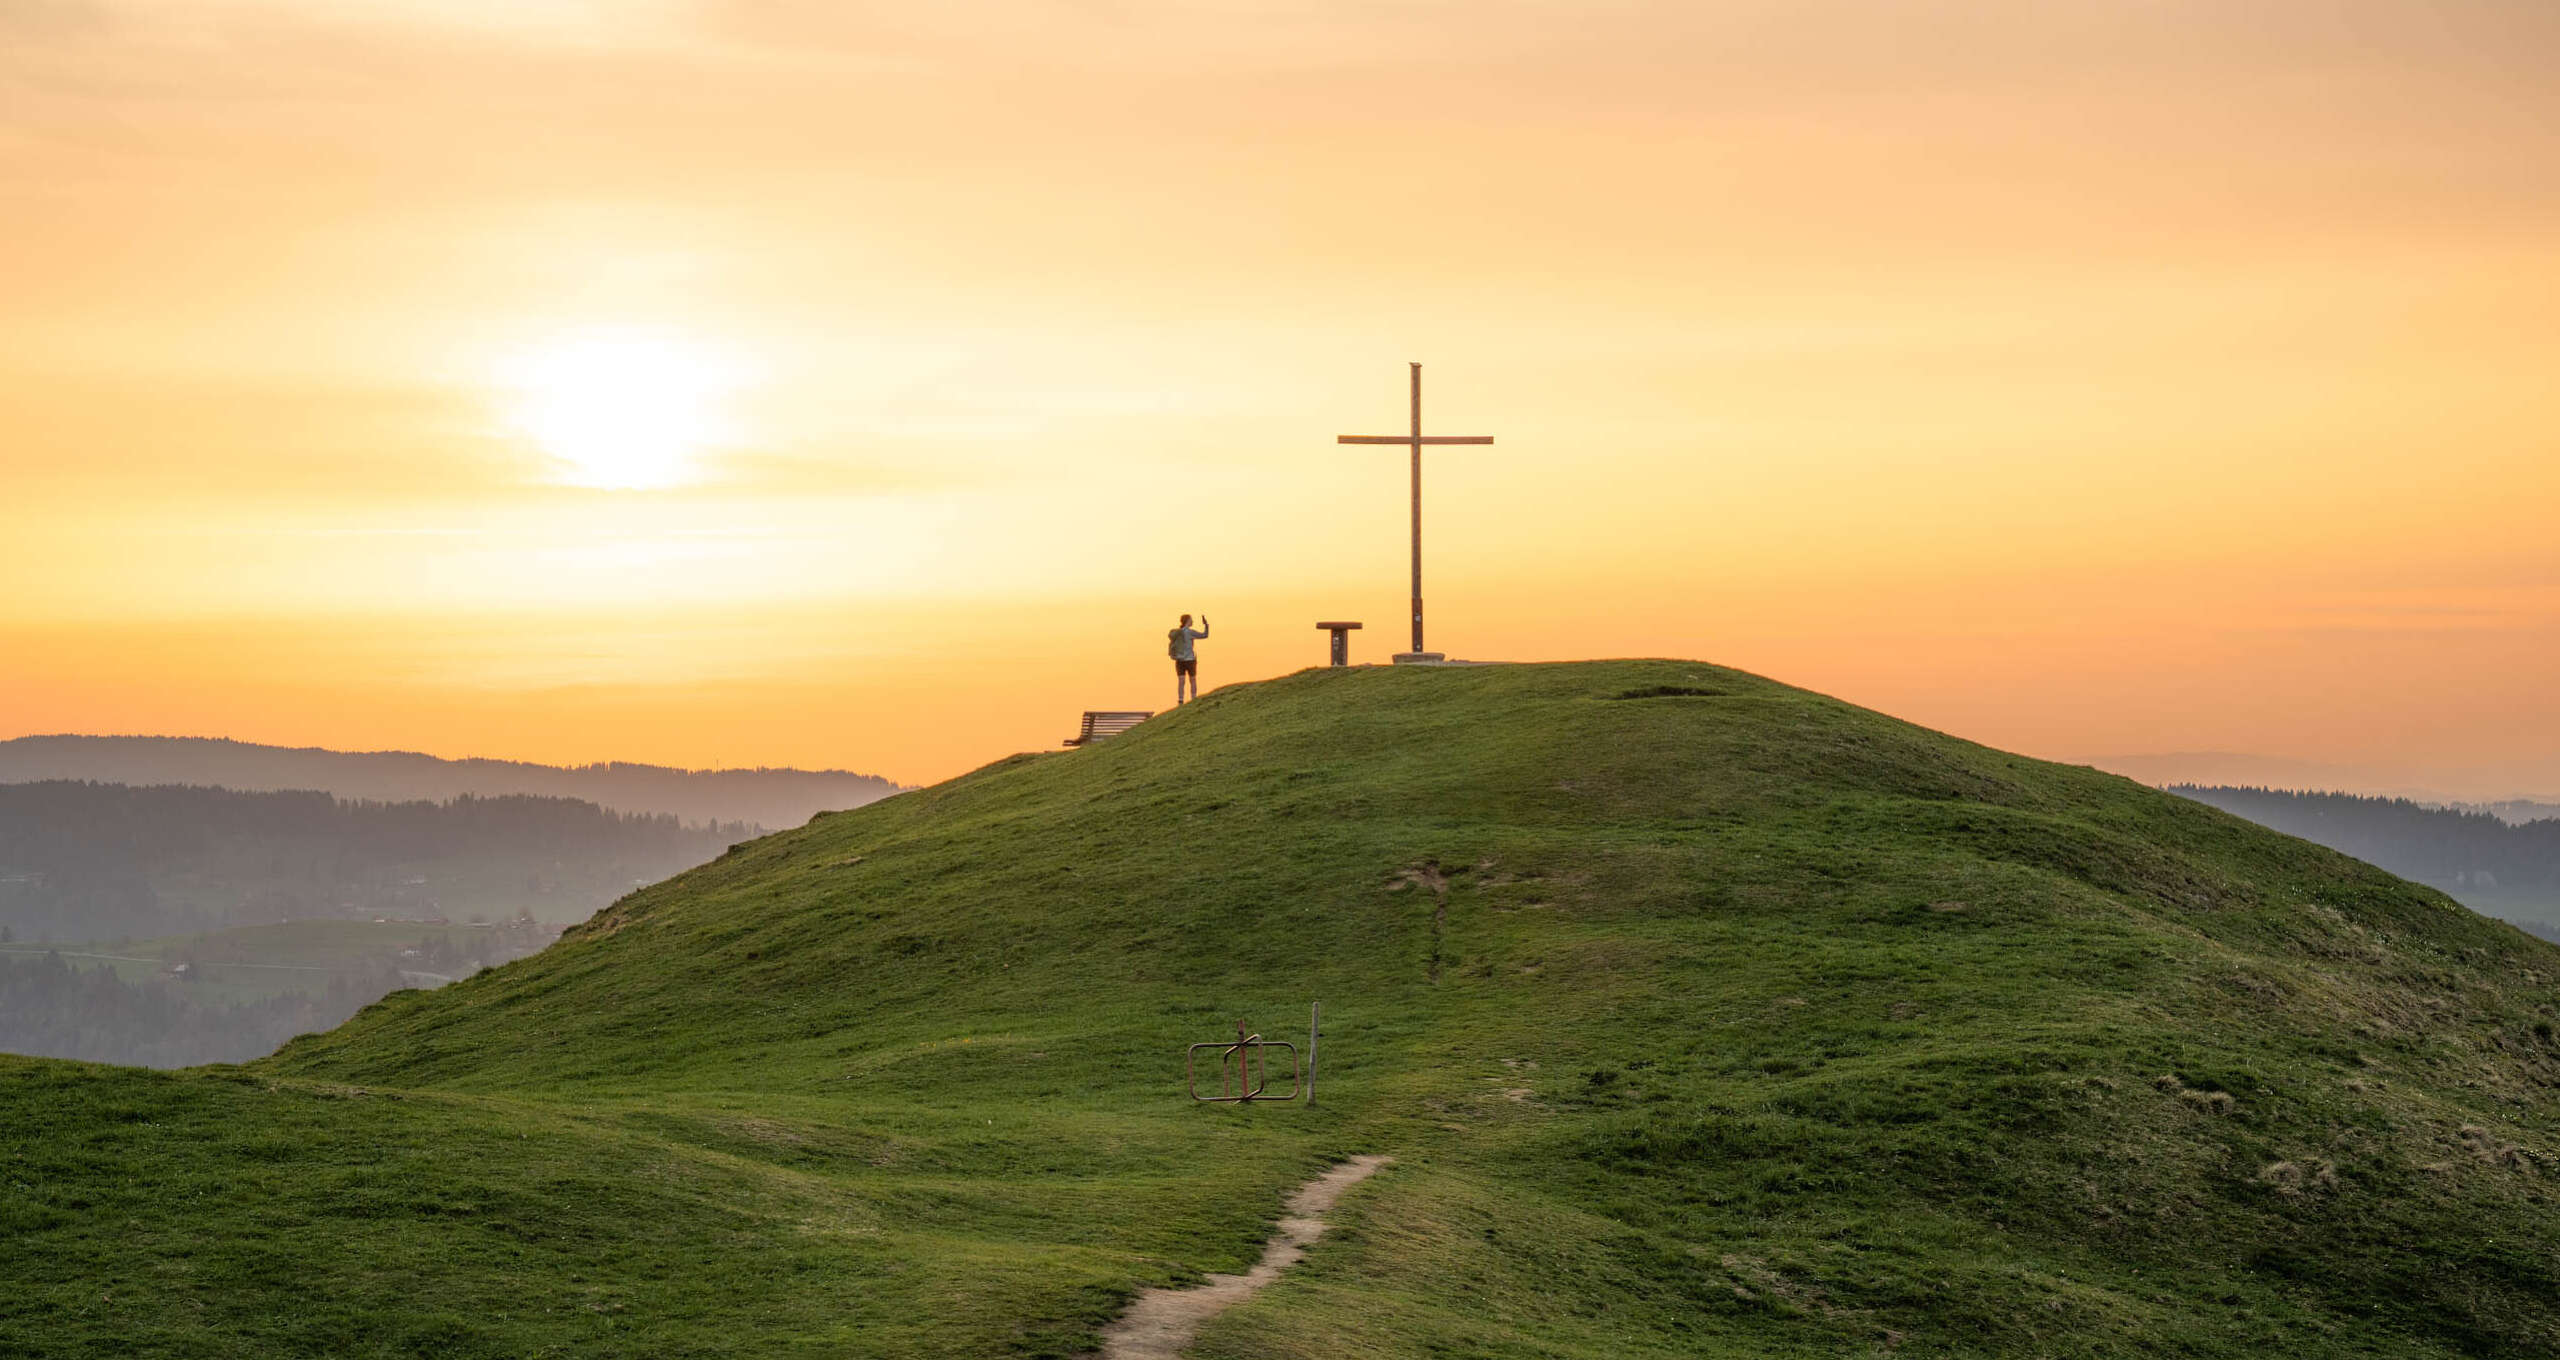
pixel 772 798
pixel 2490 864
pixel 84 862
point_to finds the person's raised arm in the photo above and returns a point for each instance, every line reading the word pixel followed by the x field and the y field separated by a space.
pixel 1204 625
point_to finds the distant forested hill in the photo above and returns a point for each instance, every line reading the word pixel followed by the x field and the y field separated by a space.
pixel 772 799
pixel 2515 810
pixel 2480 859
pixel 91 862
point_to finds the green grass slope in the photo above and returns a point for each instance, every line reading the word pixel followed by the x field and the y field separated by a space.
pixel 1704 1017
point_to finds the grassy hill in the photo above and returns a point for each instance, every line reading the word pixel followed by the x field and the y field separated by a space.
pixel 1704 1016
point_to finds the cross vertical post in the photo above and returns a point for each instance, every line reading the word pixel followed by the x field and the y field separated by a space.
pixel 1415 439
pixel 1417 509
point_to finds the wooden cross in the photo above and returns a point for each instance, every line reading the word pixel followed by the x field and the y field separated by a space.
pixel 1416 440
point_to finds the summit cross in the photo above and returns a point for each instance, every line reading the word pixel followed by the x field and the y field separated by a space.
pixel 1415 441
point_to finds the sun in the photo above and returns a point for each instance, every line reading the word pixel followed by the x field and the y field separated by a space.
pixel 623 409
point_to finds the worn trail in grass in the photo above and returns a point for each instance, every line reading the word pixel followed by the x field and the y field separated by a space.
pixel 1161 1323
pixel 1703 1016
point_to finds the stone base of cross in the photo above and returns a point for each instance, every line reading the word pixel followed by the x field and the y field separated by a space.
pixel 1418 658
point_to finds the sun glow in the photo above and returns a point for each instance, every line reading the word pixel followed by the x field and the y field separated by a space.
pixel 624 409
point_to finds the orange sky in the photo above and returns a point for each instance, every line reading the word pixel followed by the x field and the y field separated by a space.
pixel 2105 377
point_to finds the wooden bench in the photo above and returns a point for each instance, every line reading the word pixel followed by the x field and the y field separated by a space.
pixel 1104 726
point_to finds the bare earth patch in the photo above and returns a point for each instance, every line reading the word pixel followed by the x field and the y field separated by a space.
pixel 1163 1321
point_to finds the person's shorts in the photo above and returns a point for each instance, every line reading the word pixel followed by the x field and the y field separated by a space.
pixel 1182 667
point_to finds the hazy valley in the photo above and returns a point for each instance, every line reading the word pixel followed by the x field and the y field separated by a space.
pixel 166 924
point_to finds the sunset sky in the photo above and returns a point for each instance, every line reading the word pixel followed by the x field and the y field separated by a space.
pixel 870 385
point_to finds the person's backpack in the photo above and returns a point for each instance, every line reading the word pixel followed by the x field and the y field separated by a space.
pixel 1173 643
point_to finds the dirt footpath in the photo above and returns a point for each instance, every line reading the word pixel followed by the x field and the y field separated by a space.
pixel 1163 1321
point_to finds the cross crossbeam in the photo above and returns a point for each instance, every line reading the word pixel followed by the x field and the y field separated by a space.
pixel 1416 440
pixel 1409 439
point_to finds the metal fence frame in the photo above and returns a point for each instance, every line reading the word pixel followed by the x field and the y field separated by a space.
pixel 1252 1076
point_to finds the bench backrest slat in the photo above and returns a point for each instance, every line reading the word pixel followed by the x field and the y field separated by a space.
pixel 1101 723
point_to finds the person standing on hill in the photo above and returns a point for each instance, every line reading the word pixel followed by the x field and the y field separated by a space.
pixel 1186 664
